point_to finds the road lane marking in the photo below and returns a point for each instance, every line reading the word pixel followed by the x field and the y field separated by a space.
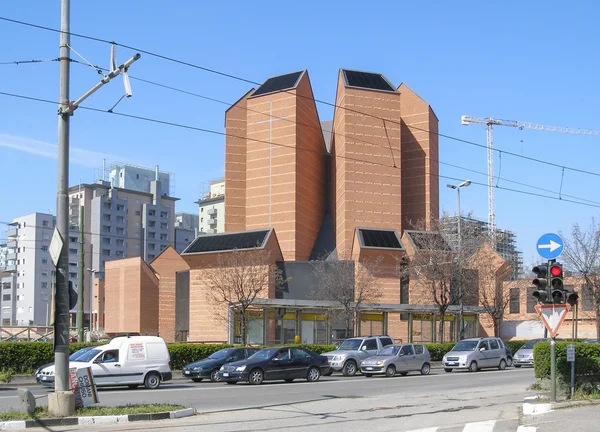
pixel 484 426
pixel 431 429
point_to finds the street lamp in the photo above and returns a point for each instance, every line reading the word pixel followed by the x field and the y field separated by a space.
pixel 92 272
pixel 460 295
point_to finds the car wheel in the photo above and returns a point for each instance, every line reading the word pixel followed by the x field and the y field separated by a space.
pixel 502 365
pixel 197 379
pixel 152 380
pixel 448 369
pixel 231 382
pixel 390 371
pixel 313 374
pixel 256 377
pixel 289 380
pixel 368 375
pixel 426 368
pixel 517 366
pixel 133 386
pixel 214 376
pixel 509 361
pixel 349 368
pixel 473 366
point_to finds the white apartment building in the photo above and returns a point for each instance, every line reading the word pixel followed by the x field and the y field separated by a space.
pixel 211 211
pixel 27 274
pixel 186 230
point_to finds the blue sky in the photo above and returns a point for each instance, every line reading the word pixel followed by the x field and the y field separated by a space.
pixel 529 61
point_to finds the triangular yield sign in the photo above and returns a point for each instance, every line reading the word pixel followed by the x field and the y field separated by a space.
pixel 552 316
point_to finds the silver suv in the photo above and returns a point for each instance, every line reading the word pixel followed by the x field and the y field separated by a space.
pixel 351 352
pixel 475 354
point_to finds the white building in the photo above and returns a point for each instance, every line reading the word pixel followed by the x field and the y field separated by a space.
pixel 186 230
pixel 211 211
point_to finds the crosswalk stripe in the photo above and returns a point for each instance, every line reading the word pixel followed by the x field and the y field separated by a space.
pixel 431 429
pixel 526 429
pixel 484 426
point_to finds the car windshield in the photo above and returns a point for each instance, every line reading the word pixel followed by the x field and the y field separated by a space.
pixel 264 354
pixel 531 343
pixel 78 354
pixel 221 354
pixel 88 355
pixel 465 346
pixel 389 351
pixel 350 344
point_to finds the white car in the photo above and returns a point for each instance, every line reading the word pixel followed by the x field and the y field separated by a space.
pixel 128 360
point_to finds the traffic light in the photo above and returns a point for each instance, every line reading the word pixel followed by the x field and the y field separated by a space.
pixel 572 298
pixel 556 284
pixel 541 283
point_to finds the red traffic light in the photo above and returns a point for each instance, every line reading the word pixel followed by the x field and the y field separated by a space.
pixel 555 270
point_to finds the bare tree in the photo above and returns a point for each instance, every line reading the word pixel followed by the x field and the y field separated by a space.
pixel 348 283
pixel 239 278
pixel 441 267
pixel 491 276
pixel 582 254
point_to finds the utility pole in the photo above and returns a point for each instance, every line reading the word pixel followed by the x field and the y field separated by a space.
pixel 80 277
pixel 60 402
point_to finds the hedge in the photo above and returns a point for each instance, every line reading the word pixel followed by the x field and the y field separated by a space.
pixel 587 362
pixel 25 357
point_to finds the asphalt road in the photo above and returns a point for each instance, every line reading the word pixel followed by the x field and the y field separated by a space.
pixel 216 398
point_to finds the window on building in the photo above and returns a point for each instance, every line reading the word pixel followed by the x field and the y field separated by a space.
pixel 138 213
pixel 120 207
pixel 201 209
pixel 6 321
pixel 121 219
pixel 201 219
pixel 151 234
pixel 44 284
pixel 73 264
pixel 45 248
pixel 106 205
pixel 24 259
pixel 120 242
pixel 106 217
pixel 5 297
pixel 151 257
pixel 164 214
pixel 106 228
pixel 151 224
pixel 514 300
pixel 44 260
pixel 151 212
pixel 106 240
pixel 163 225
pixel 119 254
pixel 137 176
pixel 72 251
pixel 72 275
pixel 45 273
pixel 106 252
pixel 45 223
pixel 73 239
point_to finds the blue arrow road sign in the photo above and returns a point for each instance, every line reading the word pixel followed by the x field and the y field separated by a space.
pixel 550 246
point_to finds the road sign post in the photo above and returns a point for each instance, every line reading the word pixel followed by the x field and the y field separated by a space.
pixel 571 359
pixel 552 316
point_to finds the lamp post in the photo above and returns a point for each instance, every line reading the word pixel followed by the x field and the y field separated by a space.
pixel 92 272
pixel 460 294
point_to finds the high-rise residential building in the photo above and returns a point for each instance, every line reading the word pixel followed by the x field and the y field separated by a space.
pixel 186 230
pixel 139 179
pixel 211 209
pixel 27 275
pixel 475 229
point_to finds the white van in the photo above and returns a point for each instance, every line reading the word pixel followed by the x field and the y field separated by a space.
pixel 128 360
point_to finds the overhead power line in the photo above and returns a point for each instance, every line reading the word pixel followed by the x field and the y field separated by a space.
pixel 252 82
pixel 189 127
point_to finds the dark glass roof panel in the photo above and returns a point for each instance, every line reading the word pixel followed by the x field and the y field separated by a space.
pixel 225 242
pixel 431 241
pixel 367 80
pixel 278 83
pixel 380 239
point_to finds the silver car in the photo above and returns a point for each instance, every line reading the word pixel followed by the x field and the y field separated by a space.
pixel 394 359
pixel 475 354
pixel 524 355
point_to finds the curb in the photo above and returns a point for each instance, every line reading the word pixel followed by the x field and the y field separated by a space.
pixel 86 421
pixel 535 405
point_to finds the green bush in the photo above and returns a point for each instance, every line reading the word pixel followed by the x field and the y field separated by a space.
pixel 438 349
pixel 515 345
pixel 587 362
pixel 185 353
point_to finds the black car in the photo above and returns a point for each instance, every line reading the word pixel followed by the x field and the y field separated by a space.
pixel 209 367
pixel 281 363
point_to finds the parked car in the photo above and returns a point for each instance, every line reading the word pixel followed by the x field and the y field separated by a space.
pixel 348 355
pixel 208 368
pixel 282 363
pixel 524 355
pixel 394 359
pixel 130 361
pixel 588 341
pixel 509 354
pixel 475 354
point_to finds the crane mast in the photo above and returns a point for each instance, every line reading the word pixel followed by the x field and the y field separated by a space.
pixel 490 122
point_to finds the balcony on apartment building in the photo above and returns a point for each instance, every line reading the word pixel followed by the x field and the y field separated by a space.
pixel 10 268
pixel 212 222
pixel 11 232
pixel 11 256
pixel 11 244
pixel 212 212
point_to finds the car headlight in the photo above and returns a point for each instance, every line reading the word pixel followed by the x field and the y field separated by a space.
pixel 197 368
pixel 240 368
pixel 222 368
pixel 379 363
pixel 338 358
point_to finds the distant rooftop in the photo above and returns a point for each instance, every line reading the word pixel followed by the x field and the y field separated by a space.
pixel 428 240
pixel 367 80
